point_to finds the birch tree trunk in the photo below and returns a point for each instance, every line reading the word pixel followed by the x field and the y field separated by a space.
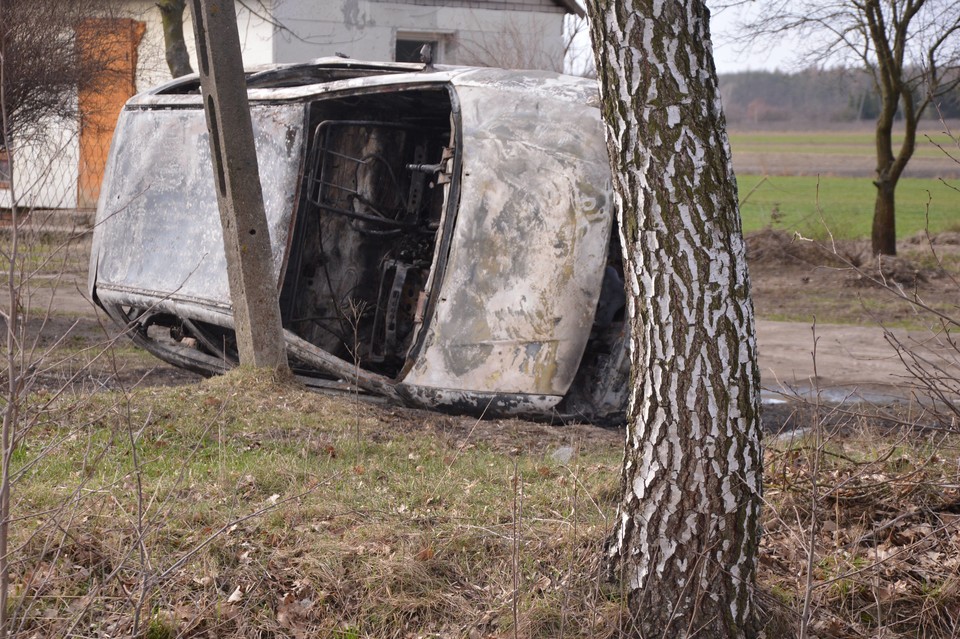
pixel 686 537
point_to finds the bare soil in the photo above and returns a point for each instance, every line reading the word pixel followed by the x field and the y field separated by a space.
pixel 846 310
pixel 788 163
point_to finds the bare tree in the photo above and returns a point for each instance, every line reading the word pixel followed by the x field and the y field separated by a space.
pixel 578 57
pixel 911 49
pixel 43 64
pixel 175 46
pixel 687 530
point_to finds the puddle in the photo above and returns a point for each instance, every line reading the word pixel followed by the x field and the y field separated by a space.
pixel 839 395
pixel 790 408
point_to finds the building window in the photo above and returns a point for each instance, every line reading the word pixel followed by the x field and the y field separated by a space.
pixel 407 45
pixel 409 50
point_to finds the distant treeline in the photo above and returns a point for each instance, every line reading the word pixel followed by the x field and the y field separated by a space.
pixel 836 95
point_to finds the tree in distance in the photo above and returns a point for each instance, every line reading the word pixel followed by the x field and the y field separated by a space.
pixel 687 531
pixel 911 48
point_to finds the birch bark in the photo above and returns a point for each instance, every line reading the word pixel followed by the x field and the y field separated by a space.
pixel 687 531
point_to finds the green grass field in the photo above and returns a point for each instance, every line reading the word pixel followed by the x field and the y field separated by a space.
pixel 811 205
pixel 813 181
pixel 930 142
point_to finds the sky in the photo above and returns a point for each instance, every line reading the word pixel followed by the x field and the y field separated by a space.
pixel 731 58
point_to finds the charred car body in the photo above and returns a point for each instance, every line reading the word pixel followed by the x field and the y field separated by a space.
pixel 442 237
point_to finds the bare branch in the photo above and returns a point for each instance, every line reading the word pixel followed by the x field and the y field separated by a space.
pixel 49 51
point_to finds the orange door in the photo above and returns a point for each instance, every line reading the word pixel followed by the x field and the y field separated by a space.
pixel 110 47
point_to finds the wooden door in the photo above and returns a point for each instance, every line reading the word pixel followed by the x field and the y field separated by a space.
pixel 110 46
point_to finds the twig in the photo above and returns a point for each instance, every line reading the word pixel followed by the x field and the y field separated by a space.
pixel 517 531
pixel 814 474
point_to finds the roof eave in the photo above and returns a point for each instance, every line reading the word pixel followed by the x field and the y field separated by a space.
pixel 572 7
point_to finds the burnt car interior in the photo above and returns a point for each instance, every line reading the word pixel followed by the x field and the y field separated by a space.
pixel 367 226
pixel 368 223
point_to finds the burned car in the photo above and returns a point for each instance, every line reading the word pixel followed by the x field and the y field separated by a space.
pixel 442 236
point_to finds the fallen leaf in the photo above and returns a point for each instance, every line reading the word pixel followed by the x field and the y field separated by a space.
pixel 541 584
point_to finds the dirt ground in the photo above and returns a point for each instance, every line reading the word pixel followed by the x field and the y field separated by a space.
pixel 834 310
pixel 854 311
pixel 787 163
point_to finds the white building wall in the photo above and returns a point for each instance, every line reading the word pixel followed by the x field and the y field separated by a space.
pixel 256 39
pixel 368 31
pixel 45 167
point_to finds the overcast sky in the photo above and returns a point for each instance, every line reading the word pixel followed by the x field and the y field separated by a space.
pixel 730 57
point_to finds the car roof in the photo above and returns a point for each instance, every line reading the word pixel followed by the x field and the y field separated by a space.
pixel 281 82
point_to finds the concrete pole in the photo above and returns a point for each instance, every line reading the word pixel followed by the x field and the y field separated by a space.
pixel 253 284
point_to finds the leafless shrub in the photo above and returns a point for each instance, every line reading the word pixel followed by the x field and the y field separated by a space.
pixel 870 551
pixel 861 525
pixel 521 45
pixel 48 50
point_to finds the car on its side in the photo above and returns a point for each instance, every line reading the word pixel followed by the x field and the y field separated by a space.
pixel 442 236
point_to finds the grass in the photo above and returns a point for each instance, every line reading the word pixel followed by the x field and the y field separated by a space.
pixel 260 514
pixel 409 531
pixel 811 205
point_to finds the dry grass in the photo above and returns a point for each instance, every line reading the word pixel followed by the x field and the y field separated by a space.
pixel 886 531
pixel 244 506
pixel 250 510
pixel 797 279
pixel 411 533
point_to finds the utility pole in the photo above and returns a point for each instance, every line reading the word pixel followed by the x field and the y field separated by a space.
pixel 246 239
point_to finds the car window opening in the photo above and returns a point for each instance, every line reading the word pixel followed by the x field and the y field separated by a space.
pixel 370 215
